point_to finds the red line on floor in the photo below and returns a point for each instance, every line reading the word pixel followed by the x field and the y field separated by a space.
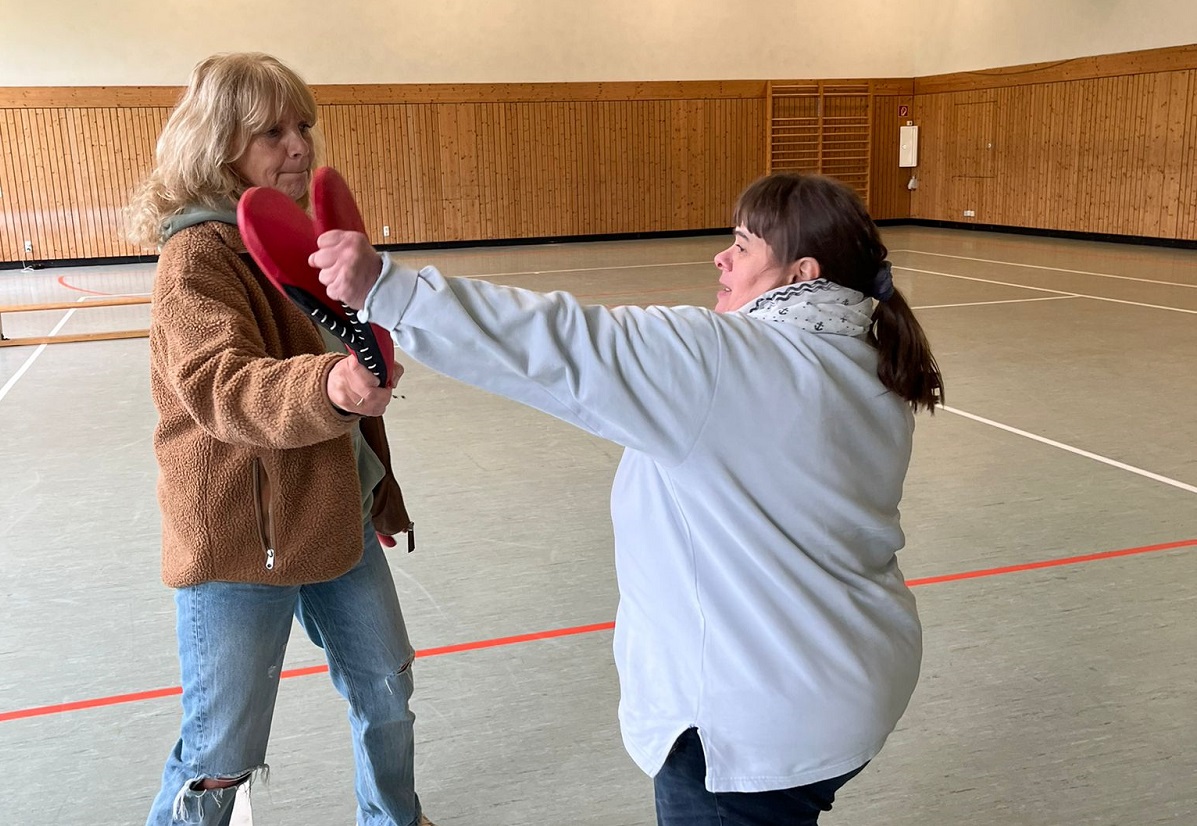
pixel 117 699
pixel 1050 563
pixel 63 282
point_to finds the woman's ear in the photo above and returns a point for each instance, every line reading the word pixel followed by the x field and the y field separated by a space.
pixel 804 269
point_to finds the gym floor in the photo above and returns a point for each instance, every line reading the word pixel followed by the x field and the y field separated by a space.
pixel 1050 511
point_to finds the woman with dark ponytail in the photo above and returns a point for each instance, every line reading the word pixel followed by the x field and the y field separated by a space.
pixel 766 641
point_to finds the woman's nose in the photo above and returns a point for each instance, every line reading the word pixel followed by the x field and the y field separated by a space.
pixel 298 147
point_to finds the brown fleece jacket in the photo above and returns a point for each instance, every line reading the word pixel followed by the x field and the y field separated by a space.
pixel 258 480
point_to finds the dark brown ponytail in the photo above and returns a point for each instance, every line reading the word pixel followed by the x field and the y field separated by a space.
pixel 905 364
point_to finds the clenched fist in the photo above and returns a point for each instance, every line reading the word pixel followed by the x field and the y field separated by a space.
pixel 348 266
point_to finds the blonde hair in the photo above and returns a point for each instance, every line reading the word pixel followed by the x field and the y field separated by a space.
pixel 229 99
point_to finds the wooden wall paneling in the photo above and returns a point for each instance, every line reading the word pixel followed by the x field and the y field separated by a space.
pixel 558 137
pixel 642 179
pixel 715 155
pixel 698 116
pixel 61 228
pixel 582 176
pixel 613 150
pixel 445 163
pixel 615 114
pixel 123 174
pixel 1089 151
pixel 393 174
pixel 558 218
pixel 1065 209
pixel 106 226
pixel 530 150
pixel 88 203
pixel 79 169
pixel 1142 188
pixel 487 162
pixel 64 235
pixel 678 174
pixel 1112 185
pixel 100 139
pixel 424 186
pixel 415 181
pixel 1112 124
pixel 380 167
pixel 583 196
pixel 35 172
pixel 596 190
pixel 634 179
pixel 145 128
pixel 889 198
pixel 469 155
pixel 1087 145
pixel 1187 207
pixel 126 148
pixel 540 171
pixel 1168 149
pixel 658 169
pixel 8 192
pixel 937 191
pixel 12 191
pixel 1033 123
pixel 29 160
pixel 428 192
pixel 16 188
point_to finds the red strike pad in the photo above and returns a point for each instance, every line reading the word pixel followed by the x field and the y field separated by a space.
pixel 334 204
pixel 280 237
pixel 335 208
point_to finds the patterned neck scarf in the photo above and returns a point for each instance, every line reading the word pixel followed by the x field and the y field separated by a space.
pixel 819 306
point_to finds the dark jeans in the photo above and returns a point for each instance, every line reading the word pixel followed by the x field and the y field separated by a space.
pixel 682 798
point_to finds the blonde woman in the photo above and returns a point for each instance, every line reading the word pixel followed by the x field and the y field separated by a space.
pixel 274 469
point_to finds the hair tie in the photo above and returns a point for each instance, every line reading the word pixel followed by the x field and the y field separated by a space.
pixel 883 282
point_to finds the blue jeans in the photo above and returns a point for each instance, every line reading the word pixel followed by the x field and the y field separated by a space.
pixel 683 800
pixel 232 637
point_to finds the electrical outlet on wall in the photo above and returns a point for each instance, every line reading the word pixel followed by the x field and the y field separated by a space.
pixel 970 213
pixel 386 232
pixel 29 247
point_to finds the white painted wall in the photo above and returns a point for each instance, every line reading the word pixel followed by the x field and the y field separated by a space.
pixel 962 35
pixel 156 42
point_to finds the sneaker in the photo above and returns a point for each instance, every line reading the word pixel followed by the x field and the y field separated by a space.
pixel 424 821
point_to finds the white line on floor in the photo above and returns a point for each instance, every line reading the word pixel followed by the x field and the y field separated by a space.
pixel 986 303
pixel 8 385
pixel 1052 269
pixel 1097 458
pixel 1046 290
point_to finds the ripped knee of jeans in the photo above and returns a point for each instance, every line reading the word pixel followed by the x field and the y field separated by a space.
pixel 203 795
pixel 400 680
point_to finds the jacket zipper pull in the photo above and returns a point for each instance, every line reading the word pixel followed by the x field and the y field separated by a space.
pixel 411 536
pixel 270 559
